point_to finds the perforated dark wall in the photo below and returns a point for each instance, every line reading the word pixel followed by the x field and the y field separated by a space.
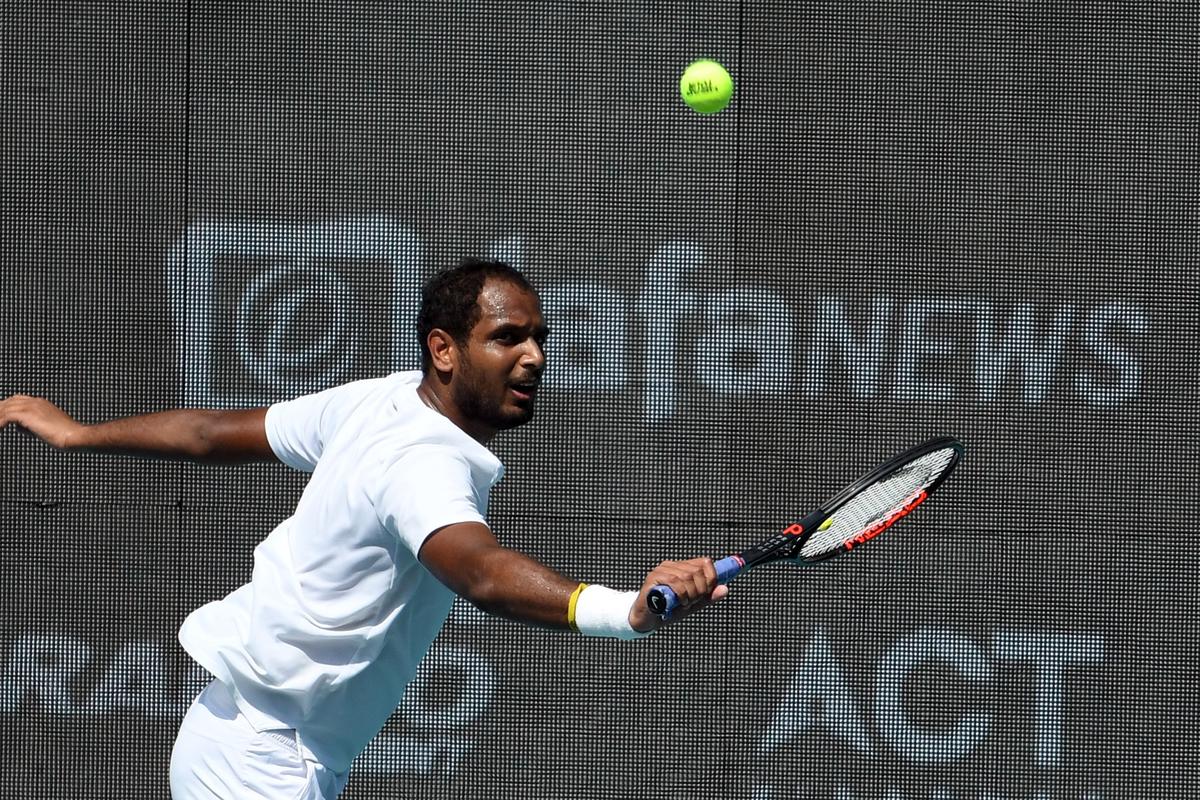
pixel 914 219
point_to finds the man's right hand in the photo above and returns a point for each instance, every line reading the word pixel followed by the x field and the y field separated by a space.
pixel 40 417
pixel 694 582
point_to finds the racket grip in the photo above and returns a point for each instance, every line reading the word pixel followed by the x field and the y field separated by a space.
pixel 662 601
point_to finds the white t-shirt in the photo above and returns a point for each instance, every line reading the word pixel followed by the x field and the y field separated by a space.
pixel 339 611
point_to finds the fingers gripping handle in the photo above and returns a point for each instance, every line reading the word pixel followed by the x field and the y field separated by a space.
pixel 662 601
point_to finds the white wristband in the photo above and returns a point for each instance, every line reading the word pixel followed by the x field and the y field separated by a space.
pixel 601 611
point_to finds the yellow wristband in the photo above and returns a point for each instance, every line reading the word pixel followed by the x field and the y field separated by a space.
pixel 571 606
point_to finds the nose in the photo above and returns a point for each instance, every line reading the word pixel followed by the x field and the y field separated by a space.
pixel 534 357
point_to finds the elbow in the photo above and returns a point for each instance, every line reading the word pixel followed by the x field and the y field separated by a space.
pixel 467 559
pixel 488 585
pixel 485 593
pixel 234 436
pixel 201 445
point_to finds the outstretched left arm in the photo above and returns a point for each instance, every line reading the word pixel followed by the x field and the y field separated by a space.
pixel 195 434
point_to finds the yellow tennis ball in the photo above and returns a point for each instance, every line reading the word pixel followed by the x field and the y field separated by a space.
pixel 706 86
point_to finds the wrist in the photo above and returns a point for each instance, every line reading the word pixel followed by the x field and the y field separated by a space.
pixel 73 438
pixel 600 611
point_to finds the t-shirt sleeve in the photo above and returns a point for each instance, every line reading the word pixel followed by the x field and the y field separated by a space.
pixel 298 429
pixel 427 488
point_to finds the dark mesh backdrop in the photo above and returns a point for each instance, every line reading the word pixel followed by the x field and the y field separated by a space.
pixel 915 219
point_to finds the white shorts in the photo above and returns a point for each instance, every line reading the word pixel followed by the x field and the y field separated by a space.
pixel 218 754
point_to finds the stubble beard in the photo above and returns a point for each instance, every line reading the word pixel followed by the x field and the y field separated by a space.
pixel 473 398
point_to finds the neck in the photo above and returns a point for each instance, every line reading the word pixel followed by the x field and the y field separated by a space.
pixel 436 394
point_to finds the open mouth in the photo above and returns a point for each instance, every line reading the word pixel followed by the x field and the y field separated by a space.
pixel 525 390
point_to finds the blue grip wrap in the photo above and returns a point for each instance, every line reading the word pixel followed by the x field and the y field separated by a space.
pixel 662 600
pixel 728 568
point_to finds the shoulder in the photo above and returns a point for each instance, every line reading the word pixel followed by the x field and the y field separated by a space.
pixel 423 479
pixel 427 470
pixel 341 397
pixel 421 461
pixel 422 433
pixel 372 389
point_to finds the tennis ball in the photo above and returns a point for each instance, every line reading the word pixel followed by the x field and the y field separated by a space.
pixel 706 86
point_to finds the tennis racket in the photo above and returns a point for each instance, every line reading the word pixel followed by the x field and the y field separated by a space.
pixel 854 516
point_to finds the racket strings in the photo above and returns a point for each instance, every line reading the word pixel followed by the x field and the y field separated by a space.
pixel 880 503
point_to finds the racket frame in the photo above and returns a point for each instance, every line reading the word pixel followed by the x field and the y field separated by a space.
pixel 788 543
pixel 811 524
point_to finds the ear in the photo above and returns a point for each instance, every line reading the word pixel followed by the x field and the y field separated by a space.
pixel 443 350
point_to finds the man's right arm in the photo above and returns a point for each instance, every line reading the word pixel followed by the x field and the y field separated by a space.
pixel 467 558
pixel 189 434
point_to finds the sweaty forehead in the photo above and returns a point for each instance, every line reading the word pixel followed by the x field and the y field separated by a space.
pixel 508 302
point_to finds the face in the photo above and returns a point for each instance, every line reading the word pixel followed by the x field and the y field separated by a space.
pixel 500 368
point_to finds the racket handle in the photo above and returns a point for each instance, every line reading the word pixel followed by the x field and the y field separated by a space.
pixel 662 601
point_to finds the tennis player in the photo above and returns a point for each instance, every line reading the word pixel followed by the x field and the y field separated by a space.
pixel 313 654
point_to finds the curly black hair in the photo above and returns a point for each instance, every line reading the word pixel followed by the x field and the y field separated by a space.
pixel 449 300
